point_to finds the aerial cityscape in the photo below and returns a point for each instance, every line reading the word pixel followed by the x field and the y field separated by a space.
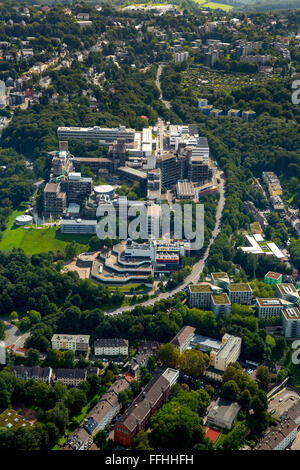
pixel 149 228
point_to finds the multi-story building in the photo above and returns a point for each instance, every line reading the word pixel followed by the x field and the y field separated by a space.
pixel 249 115
pixel 35 373
pixel 181 56
pixel 173 168
pixel 99 417
pixel 234 113
pixel 287 292
pixel 72 342
pixel 240 294
pixel 54 200
pixel 78 226
pixel 77 187
pixel 290 318
pixel 199 295
pixel 111 347
pixel 71 377
pixel 280 437
pixel 137 416
pixel 198 170
pixel 106 136
pixel 183 338
pixel 220 304
pixel 229 352
pixel 154 185
pixel 272 182
pixel 2 353
pixel 271 308
pixel 273 278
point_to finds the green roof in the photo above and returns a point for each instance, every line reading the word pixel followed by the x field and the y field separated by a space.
pixel 240 287
pixel 10 419
pixel 200 288
pixel 220 299
pixel 219 275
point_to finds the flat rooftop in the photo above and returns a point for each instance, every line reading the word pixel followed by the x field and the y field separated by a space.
pixel 269 302
pixel 273 275
pixel 200 288
pixel 292 313
pixel 133 171
pixel 216 276
pixel 240 288
pixel 221 299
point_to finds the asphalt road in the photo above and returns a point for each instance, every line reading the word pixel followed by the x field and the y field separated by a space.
pixel 157 82
pixel 13 336
pixel 197 268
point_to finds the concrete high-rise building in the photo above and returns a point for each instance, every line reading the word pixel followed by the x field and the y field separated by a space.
pixel 54 201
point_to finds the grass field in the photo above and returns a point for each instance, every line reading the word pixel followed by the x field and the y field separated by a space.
pixel 213 5
pixel 36 240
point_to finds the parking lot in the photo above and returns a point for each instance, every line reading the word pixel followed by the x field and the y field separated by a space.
pixel 282 401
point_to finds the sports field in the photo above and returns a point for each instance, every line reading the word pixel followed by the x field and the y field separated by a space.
pixel 212 434
pixel 38 240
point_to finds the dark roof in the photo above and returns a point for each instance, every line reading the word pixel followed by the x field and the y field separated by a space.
pixel 142 405
pixel 31 372
pixel 110 342
pixel 182 335
pixel 70 373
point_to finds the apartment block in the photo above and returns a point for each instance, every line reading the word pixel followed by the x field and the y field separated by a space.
pixel 199 295
pixel 35 373
pixel 111 347
pixel 72 342
pixel 271 308
pixel 287 292
pixel 220 304
pixel 71 377
pixel 280 437
pixel 136 418
pixel 290 318
pixel 240 294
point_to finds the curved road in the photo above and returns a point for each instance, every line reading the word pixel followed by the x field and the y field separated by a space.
pixel 157 82
pixel 197 268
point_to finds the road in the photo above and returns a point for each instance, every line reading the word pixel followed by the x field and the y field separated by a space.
pixel 157 82
pixel 197 268
pixel 13 336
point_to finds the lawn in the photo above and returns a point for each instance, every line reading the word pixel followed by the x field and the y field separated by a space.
pixel 38 240
pixel 213 5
